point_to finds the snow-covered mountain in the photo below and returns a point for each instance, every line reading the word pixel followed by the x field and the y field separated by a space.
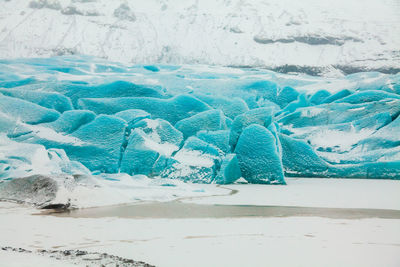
pixel 311 36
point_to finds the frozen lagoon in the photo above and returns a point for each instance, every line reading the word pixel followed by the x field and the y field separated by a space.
pixel 333 235
pixel 330 198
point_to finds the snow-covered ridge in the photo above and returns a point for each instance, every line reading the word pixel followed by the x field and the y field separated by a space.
pixel 319 37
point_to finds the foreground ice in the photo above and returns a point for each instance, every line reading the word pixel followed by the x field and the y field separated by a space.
pixel 236 239
pixel 69 116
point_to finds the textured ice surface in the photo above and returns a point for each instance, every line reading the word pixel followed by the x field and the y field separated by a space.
pixel 261 116
pixel 211 120
pixel 258 155
pixel 132 116
pixel 142 153
pixel 25 111
pixel 229 171
pixel 101 139
pixel 50 100
pixel 197 161
pixel 172 110
pixel 230 106
pixel 149 146
pixel 81 115
pixel 71 120
pixel 286 95
pixel 219 139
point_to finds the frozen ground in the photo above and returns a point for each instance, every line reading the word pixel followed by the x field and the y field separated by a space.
pixel 15 259
pixel 25 258
pixel 308 36
pixel 239 241
pixel 314 192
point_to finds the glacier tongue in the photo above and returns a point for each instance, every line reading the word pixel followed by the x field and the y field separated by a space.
pixel 77 122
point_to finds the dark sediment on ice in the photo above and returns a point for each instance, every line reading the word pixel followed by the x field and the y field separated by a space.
pixel 82 258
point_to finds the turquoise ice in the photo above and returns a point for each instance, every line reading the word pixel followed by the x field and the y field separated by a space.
pixel 197 124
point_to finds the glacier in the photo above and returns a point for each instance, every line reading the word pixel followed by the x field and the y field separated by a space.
pixel 70 117
pixel 130 114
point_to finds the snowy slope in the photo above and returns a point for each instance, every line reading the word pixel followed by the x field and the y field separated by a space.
pixel 309 36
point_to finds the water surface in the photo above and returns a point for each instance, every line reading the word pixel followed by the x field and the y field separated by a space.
pixel 178 210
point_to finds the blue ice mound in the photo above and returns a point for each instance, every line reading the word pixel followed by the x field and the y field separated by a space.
pixel 197 161
pixel 150 145
pixel 172 110
pixel 319 96
pixel 341 137
pixel 300 102
pixel 71 120
pixel 49 100
pixel 160 131
pixel 337 96
pixel 132 116
pixel 286 95
pixel 230 106
pixel 263 89
pixel 196 144
pixel 254 102
pixel 99 146
pixel 229 171
pixel 259 157
pixel 152 68
pixel 367 96
pixel 140 155
pixel 14 81
pixel 309 164
pixel 220 139
pixel 372 170
pixel 196 124
pixel 22 159
pixel 335 113
pixel 386 137
pixel 375 81
pixel 262 116
pixel 13 129
pixel 211 120
pixel 21 110
pixel 6 123
pixel 357 156
pixel 108 90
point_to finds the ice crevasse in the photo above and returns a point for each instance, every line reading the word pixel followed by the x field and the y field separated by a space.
pixel 195 123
